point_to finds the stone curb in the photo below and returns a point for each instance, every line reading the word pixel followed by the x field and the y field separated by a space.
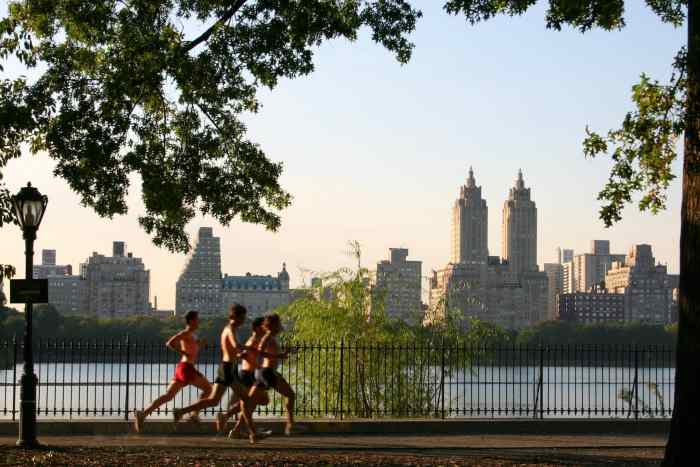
pixel 376 427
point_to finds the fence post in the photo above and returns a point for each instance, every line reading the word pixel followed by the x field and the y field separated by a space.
pixel 541 382
pixel 126 401
pixel 341 382
pixel 442 377
pixel 538 389
pixel 636 383
pixel 14 376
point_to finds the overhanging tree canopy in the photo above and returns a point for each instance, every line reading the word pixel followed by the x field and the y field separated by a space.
pixel 126 90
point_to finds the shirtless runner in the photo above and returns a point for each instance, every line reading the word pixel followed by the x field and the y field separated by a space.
pixel 249 364
pixel 227 375
pixel 267 377
pixel 187 345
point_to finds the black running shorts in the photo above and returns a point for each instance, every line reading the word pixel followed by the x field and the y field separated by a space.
pixel 227 374
pixel 266 378
pixel 246 377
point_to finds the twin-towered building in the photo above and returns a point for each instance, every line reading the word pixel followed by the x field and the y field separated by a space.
pixel 508 290
pixel 470 219
pixel 202 287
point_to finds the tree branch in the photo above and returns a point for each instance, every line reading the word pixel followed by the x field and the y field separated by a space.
pixel 206 34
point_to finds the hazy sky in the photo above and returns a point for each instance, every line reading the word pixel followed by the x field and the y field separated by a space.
pixel 376 152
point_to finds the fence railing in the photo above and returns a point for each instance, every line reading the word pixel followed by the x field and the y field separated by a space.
pixel 112 378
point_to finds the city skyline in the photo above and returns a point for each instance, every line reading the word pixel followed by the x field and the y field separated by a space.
pixel 366 162
pixel 167 301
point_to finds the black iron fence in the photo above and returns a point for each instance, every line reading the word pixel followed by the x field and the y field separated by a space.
pixel 112 378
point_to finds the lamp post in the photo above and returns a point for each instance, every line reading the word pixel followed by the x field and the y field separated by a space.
pixel 29 206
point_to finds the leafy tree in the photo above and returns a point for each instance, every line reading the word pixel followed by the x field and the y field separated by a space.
pixel 342 323
pixel 47 320
pixel 122 89
pixel 12 323
pixel 6 270
pixel 642 150
pixel 387 366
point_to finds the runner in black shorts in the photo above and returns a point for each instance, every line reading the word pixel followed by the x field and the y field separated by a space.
pixel 267 377
pixel 246 375
pixel 227 375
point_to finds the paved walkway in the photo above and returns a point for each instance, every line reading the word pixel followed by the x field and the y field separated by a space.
pixel 341 450
pixel 384 443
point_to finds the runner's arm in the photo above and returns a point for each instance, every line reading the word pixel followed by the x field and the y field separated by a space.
pixel 173 342
pixel 263 345
pixel 235 346
pixel 264 341
pixel 284 354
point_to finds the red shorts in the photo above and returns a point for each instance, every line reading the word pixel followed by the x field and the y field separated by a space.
pixel 186 373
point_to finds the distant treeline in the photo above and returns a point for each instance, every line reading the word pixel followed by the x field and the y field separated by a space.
pixel 86 338
pixel 48 323
pixel 627 334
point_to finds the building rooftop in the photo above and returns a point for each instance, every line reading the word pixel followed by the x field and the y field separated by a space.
pixel 251 282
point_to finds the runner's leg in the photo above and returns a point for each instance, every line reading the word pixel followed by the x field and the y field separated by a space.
pixel 246 413
pixel 140 415
pixel 286 390
pixel 251 395
pixel 201 383
pixel 256 397
pixel 233 408
pixel 211 400
pixel 170 393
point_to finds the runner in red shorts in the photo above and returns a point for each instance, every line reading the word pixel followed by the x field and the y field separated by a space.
pixel 186 344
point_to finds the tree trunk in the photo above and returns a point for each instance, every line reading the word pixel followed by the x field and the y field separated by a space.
pixel 685 424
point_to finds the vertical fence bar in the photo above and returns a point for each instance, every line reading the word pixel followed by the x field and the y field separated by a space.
pixel 55 374
pixel 104 378
pixel 636 383
pixel 541 388
pixel 111 378
pixel 14 377
pixel 80 371
pixel 442 377
pixel 536 391
pixel 126 398
pixel 342 374
pixel 63 376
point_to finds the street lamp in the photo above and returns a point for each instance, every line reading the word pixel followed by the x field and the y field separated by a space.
pixel 29 206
